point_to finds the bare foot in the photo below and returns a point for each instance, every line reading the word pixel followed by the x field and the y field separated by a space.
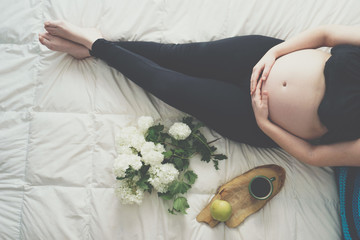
pixel 62 45
pixel 83 36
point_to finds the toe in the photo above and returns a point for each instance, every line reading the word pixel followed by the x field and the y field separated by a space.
pixel 41 39
pixel 48 24
pixel 46 42
pixel 54 23
pixel 46 35
pixel 51 30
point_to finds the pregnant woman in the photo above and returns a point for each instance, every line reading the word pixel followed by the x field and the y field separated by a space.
pixel 254 89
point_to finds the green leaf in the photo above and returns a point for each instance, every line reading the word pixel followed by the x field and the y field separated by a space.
pixel 177 187
pixel 197 127
pixel 181 204
pixel 206 156
pixel 213 149
pixel 174 142
pixel 143 182
pixel 130 172
pixel 167 154
pixel 179 151
pixel 143 170
pixel 153 133
pixel 187 143
pixel 188 121
pixel 158 128
pixel 203 139
pixel 220 156
pixel 202 147
pixel 190 176
pixel 216 164
pixel 166 196
pixel 165 135
pixel 190 151
pixel 186 164
pixel 179 164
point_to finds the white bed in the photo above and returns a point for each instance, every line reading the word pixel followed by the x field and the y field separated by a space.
pixel 59 117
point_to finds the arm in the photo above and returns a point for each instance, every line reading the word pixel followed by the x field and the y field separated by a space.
pixel 339 154
pixel 329 36
pixel 322 36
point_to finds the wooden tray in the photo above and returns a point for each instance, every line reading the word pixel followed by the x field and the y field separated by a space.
pixel 236 192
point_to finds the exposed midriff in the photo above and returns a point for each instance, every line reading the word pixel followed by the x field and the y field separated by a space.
pixel 296 86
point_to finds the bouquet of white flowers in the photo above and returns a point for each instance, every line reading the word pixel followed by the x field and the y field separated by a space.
pixel 149 158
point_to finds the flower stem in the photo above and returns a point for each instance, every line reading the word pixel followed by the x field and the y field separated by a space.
pixel 165 143
pixel 201 141
pixel 213 141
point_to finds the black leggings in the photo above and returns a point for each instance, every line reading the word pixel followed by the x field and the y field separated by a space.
pixel 208 80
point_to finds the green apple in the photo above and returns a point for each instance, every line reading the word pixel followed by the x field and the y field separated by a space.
pixel 220 210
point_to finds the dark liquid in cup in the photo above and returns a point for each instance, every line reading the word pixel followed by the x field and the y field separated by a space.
pixel 260 187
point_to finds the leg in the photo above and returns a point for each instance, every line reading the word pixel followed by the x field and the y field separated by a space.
pixel 230 59
pixel 220 105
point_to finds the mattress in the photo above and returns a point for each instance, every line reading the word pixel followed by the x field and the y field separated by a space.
pixel 59 117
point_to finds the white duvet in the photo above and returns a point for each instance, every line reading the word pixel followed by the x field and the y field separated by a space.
pixel 59 117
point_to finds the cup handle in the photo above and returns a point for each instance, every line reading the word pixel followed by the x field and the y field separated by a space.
pixel 272 179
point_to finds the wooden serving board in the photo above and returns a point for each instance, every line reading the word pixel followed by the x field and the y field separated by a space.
pixel 236 192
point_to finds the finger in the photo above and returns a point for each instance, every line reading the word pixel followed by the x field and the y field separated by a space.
pixel 251 81
pixel 254 78
pixel 265 97
pixel 258 90
pixel 265 73
pixel 256 98
pixel 254 93
pixel 253 75
pixel 259 84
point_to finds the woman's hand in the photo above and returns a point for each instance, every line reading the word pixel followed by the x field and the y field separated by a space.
pixel 260 105
pixel 262 68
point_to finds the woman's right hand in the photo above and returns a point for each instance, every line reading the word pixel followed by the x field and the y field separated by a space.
pixel 262 68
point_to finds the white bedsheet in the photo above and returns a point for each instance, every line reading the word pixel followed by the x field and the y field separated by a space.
pixel 59 116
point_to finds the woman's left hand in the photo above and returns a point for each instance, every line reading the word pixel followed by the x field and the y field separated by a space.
pixel 260 105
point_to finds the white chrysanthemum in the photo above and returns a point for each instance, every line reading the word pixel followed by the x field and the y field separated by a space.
pixel 152 157
pixel 123 150
pixel 144 123
pixel 128 194
pixel 137 141
pixel 159 148
pixel 123 161
pixel 124 136
pixel 130 137
pixel 147 147
pixel 150 146
pixel 179 131
pixel 152 154
pixel 162 175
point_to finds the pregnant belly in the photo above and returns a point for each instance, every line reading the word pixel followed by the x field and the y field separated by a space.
pixel 296 86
